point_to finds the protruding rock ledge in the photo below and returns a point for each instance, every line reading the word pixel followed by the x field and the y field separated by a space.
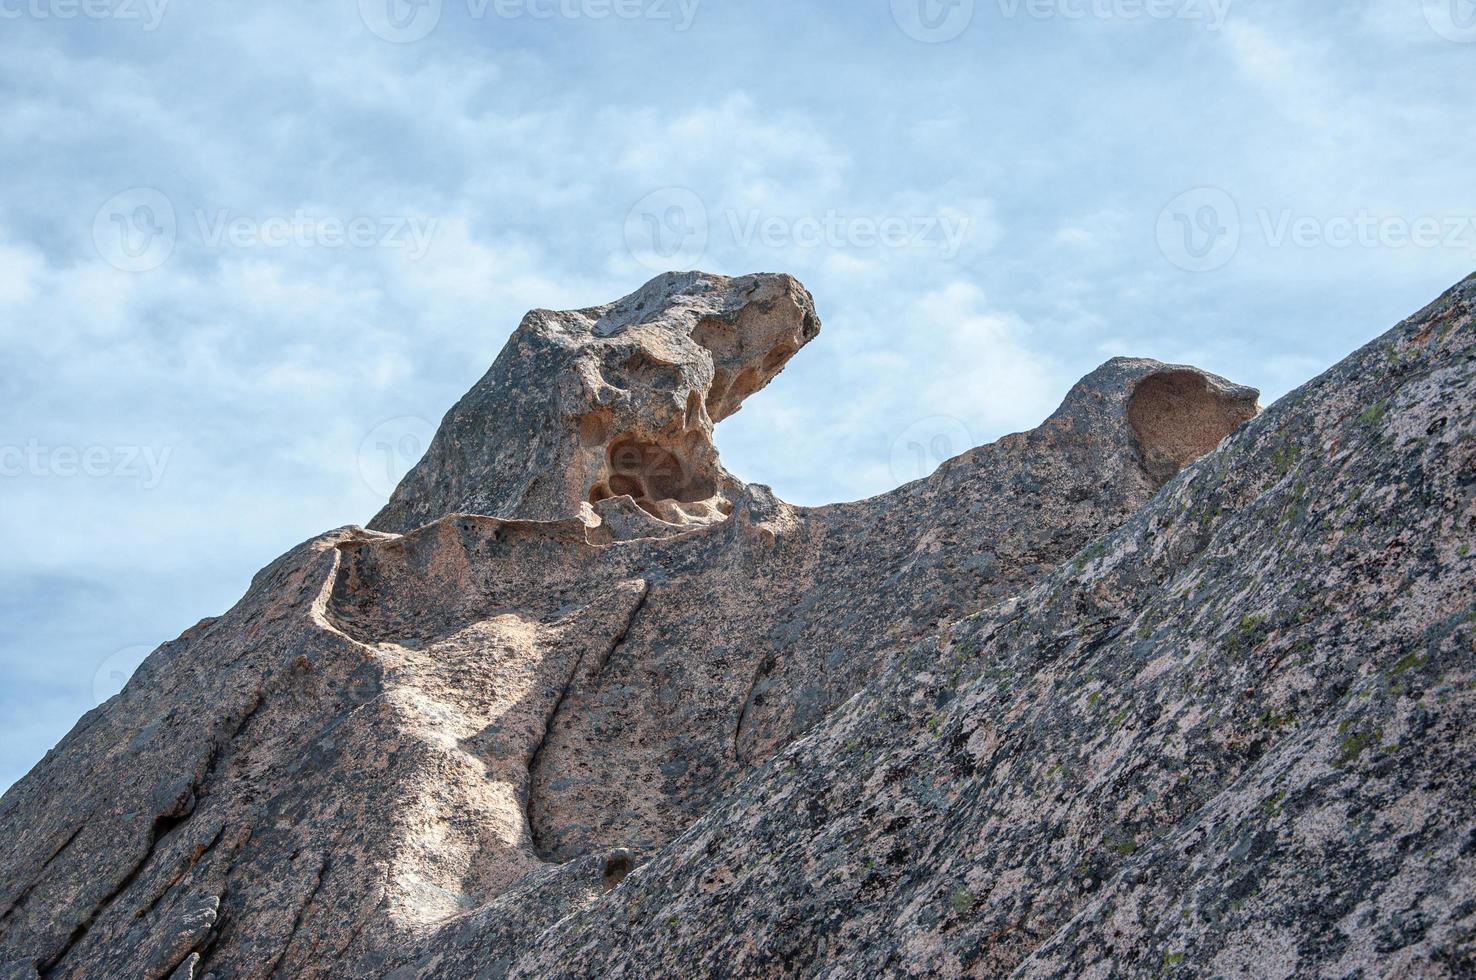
pixel 596 413
pixel 1169 415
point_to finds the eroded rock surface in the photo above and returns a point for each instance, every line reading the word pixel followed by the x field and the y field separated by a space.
pixel 585 408
pixel 586 705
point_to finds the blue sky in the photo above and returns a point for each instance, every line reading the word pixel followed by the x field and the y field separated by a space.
pixel 250 253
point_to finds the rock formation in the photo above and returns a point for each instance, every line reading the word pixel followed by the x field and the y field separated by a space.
pixel 584 409
pixel 1161 687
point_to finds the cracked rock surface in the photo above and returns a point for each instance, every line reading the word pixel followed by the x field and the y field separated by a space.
pixel 1161 687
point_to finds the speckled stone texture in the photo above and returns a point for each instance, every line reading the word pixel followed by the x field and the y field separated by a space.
pixel 1075 705
pixel 587 408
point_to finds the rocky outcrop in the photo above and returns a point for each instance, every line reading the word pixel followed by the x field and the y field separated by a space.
pixel 1232 737
pixel 584 704
pixel 610 411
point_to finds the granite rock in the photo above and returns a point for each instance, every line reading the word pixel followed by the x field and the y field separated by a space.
pixel 1161 686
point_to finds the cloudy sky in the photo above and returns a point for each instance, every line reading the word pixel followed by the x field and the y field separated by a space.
pixel 250 252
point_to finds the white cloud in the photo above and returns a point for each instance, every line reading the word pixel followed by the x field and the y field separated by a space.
pixel 982 367
pixel 20 272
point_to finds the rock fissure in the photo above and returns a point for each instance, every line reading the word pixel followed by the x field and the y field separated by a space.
pixel 762 670
pixel 324 864
pixel 535 804
pixel 41 875
pixel 52 963
pixel 194 859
